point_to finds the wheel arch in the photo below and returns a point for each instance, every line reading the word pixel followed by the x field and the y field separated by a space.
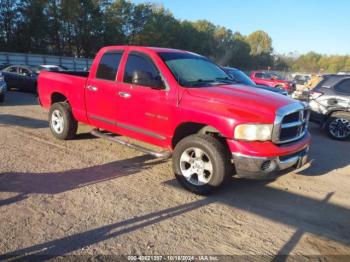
pixel 57 97
pixel 333 111
pixel 189 128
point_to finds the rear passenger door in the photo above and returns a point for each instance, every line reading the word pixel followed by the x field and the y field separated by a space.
pixel 101 92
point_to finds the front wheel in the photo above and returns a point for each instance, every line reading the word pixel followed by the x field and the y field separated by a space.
pixel 62 123
pixel 201 163
pixel 338 126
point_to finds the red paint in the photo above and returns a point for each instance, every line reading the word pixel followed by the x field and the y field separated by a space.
pixel 159 112
pixel 272 82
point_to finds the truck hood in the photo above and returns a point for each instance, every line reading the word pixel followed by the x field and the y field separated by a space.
pixel 242 100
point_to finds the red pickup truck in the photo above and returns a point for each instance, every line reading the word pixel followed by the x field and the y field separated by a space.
pixel 272 80
pixel 187 106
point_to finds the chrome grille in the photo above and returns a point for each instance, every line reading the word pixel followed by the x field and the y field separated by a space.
pixel 291 123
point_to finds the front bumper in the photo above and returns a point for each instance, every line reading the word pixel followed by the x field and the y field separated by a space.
pixel 254 167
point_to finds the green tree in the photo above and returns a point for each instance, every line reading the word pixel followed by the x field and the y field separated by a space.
pixel 307 63
pixel 160 29
pixel 260 43
pixel 261 49
pixel 240 52
pixel 33 27
pixel 55 38
pixel 9 18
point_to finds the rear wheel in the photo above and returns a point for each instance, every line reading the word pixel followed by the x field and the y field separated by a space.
pixel 201 163
pixel 338 126
pixel 62 123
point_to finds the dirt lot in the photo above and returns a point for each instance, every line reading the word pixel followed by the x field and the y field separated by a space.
pixel 88 196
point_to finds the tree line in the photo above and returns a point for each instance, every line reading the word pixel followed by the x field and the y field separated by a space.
pixel 81 27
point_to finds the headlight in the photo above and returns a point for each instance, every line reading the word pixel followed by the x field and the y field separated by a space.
pixel 254 132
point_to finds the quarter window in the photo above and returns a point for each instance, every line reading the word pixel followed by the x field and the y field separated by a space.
pixel 137 62
pixel 108 67
pixel 343 86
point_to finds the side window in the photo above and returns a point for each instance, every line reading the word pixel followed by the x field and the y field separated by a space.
pixel 259 75
pixel 343 86
pixel 137 62
pixel 267 76
pixel 23 71
pixel 108 67
pixel 12 69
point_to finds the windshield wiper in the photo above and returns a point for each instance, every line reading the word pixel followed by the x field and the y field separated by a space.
pixel 199 82
pixel 226 80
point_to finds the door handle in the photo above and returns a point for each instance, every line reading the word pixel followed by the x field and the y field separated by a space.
pixel 92 88
pixel 124 94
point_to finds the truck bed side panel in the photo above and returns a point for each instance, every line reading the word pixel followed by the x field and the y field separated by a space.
pixel 70 86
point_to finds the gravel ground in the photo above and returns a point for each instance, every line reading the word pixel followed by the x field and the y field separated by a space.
pixel 91 197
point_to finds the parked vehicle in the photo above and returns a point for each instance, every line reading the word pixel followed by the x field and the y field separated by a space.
pixel 24 77
pixel 52 68
pixel 302 79
pixel 330 105
pixel 241 78
pixel 273 80
pixel 3 88
pixel 20 77
pixel 185 104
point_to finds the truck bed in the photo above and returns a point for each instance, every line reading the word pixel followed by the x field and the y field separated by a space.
pixel 70 84
pixel 74 73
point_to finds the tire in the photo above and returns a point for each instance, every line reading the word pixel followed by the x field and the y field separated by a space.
pixel 2 98
pixel 338 126
pixel 66 126
pixel 214 153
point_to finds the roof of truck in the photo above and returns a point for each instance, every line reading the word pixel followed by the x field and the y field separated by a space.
pixel 150 48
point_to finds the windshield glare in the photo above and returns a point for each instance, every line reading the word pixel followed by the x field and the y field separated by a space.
pixel 194 70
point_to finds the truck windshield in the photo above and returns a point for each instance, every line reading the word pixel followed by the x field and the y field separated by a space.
pixel 193 70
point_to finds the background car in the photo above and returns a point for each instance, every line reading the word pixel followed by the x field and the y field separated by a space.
pixel 272 79
pixel 330 105
pixel 301 79
pixel 20 77
pixel 242 78
pixel 51 68
pixel 3 88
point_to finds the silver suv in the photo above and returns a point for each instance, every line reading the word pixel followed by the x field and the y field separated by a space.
pixel 330 105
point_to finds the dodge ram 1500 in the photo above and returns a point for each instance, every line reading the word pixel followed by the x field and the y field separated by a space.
pixel 187 106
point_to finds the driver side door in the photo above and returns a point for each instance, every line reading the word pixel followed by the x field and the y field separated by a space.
pixel 26 79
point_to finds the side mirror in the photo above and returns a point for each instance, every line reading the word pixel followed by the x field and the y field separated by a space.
pixel 143 78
